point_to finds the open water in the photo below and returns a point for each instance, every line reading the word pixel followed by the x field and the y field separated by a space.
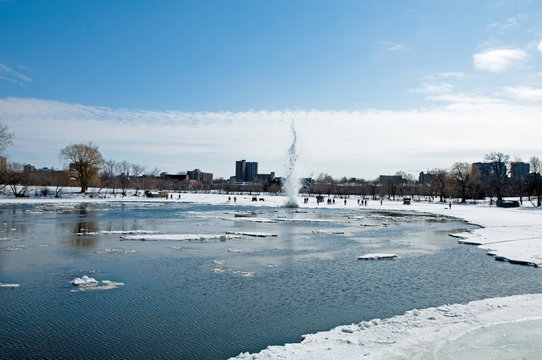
pixel 213 298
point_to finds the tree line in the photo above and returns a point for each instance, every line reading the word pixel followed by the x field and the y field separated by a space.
pixel 87 168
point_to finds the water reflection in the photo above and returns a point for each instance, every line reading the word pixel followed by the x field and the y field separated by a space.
pixel 84 225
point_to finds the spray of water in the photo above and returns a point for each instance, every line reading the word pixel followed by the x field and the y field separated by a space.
pixel 292 181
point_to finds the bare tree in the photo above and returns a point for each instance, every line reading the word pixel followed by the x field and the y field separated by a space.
pixel 536 171
pixel 497 172
pixel 85 161
pixel 123 168
pixel 6 138
pixel 137 171
pixel 440 183
pixel 461 176
pixel 107 174
pixel 17 179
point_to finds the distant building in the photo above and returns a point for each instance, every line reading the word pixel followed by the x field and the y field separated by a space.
pixel 245 171
pixel 486 171
pixel 176 177
pixel 3 163
pixel 200 176
pixel 425 178
pixel 29 168
pixel 519 170
pixel 266 177
pixel 394 178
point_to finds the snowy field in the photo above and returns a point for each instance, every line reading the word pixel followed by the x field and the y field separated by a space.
pixel 513 235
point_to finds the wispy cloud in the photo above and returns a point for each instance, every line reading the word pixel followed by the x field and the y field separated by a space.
pixel 501 27
pixel 434 88
pixel 539 47
pixel 499 60
pixel 391 46
pixel 525 93
pixel 14 76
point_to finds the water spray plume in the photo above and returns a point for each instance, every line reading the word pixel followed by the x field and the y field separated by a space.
pixel 292 181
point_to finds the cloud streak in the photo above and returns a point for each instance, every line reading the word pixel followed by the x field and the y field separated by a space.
pixel 499 60
pixel 8 74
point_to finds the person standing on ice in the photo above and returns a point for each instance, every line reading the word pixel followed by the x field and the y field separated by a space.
pixel 450 205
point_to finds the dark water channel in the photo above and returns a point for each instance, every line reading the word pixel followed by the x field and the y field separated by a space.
pixel 215 298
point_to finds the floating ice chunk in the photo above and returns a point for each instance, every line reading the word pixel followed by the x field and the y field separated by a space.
pixel 377 256
pixel 181 237
pixel 234 251
pixel 255 219
pixel 254 234
pixel 14 248
pixel 244 273
pixel 86 283
pixel 118 232
pixel 83 280
pixel 115 251
pixel 2 285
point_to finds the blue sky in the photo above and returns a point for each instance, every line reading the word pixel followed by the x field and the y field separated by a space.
pixel 373 86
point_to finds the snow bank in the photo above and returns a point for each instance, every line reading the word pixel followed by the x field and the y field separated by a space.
pixel 415 334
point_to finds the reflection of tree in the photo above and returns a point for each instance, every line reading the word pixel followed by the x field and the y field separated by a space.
pixel 82 226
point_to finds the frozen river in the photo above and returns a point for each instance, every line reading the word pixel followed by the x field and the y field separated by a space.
pixel 211 281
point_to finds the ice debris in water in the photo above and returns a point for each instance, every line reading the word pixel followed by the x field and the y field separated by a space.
pixel 253 234
pixel 115 251
pixel 9 285
pixel 85 283
pixel 84 280
pixel 220 267
pixel 377 256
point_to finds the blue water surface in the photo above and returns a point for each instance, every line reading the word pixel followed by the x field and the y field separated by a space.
pixel 212 299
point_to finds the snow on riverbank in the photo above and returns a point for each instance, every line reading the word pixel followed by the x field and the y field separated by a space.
pixel 415 335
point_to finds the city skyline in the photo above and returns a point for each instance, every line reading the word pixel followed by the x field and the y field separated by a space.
pixel 371 88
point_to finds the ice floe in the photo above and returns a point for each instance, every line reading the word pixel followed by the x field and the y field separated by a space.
pixel 253 234
pixel 85 283
pixel 181 237
pixel 377 256
pixel 2 285
pixel 115 251
pixel 83 280
pixel 118 232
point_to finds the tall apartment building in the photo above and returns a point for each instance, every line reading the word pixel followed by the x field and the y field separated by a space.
pixel 245 170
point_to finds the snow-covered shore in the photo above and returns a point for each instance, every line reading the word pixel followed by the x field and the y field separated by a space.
pixel 418 334
pixel 508 234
